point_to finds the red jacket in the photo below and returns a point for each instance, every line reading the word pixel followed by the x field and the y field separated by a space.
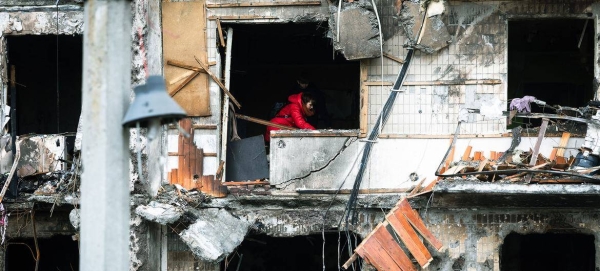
pixel 290 115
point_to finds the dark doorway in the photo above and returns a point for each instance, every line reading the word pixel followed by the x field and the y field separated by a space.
pixel 552 60
pixel 40 108
pixel 548 252
pixel 267 60
pixel 300 253
pixel 56 253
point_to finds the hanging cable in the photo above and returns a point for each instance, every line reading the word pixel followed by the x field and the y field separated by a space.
pixel 57 77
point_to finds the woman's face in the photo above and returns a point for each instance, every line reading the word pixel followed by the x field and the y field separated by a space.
pixel 308 109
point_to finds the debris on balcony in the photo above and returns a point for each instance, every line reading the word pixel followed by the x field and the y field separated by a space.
pixel 530 166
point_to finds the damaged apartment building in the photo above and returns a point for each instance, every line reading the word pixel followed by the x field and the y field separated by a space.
pixel 458 135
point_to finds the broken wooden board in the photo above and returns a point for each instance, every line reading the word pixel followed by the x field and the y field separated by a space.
pixel 184 37
pixel 383 251
pixel 190 159
pixel 211 186
pixel 419 225
pixel 409 237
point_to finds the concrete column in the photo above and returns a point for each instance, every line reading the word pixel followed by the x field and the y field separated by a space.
pixel 106 89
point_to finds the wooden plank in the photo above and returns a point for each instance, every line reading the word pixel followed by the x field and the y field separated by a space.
pixel 389 244
pixel 409 237
pixel 351 260
pixel 553 154
pixel 199 165
pixel 184 75
pixel 264 122
pixel 179 87
pixel 204 154
pixel 218 81
pixel 220 170
pixel 419 225
pixel 220 30
pixel 538 143
pixel 193 164
pixel 182 65
pixel 477 156
pixel 174 176
pixel 371 258
pixel 482 164
pixel 379 257
pixel 184 36
pixel 241 17
pixel 564 140
pixel 417 188
pixel 364 99
pixel 467 153
pixel 394 58
pixel 180 160
pixel 197 126
pixel 263 4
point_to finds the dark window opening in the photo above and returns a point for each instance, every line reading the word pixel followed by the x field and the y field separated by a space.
pixel 40 109
pixel 548 252
pixel 552 60
pixel 300 253
pixel 267 60
pixel 56 253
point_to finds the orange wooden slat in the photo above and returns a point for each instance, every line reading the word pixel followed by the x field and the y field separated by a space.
pixel 409 237
pixel 477 156
pixel 467 153
pixel 378 257
pixel 389 244
pixel 199 163
pixel 174 176
pixel 415 220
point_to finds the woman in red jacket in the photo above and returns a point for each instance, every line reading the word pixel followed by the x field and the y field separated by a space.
pixel 293 115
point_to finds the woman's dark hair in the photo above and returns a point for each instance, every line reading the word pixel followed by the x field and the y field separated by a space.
pixel 307 96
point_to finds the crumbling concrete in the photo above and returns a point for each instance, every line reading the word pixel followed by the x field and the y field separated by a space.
pixel 159 212
pixel 358 30
pixel 215 234
pixel 424 31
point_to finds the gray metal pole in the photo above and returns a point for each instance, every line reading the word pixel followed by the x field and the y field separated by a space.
pixel 105 179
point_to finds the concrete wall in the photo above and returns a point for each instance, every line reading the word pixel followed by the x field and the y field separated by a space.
pixel 307 162
pixel 474 237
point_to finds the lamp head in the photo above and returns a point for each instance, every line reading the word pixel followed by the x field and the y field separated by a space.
pixel 152 102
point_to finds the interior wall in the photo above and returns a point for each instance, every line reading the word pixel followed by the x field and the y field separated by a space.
pixel 474 238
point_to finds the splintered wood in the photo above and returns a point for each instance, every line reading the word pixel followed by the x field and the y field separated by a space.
pixel 188 174
pixel 381 248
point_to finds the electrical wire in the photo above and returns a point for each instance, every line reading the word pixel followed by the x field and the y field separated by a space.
pixel 57 76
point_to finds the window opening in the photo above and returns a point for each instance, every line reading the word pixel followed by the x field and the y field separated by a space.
pixel 56 253
pixel 548 252
pixel 34 58
pixel 268 59
pixel 546 60
pixel 299 253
